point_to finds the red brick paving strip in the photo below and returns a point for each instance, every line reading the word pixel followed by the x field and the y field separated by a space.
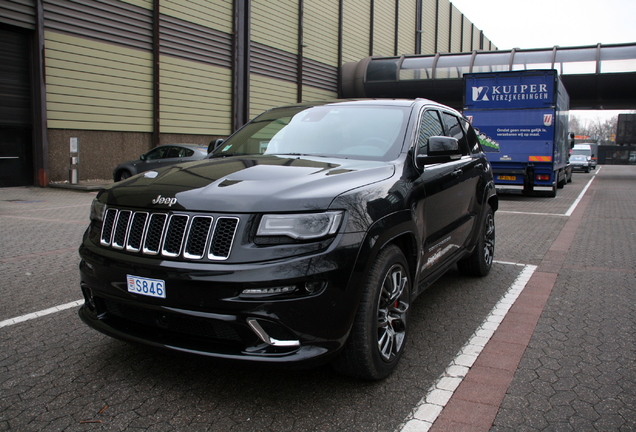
pixel 474 405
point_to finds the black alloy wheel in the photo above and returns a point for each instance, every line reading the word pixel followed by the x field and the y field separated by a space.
pixel 378 336
pixel 480 261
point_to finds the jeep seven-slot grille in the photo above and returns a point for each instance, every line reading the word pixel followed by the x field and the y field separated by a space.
pixel 171 235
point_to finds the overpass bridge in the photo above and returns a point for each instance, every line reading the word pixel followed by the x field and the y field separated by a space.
pixel 596 76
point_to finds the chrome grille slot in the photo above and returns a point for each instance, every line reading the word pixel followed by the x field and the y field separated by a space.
pixel 121 229
pixel 137 230
pixel 174 235
pixel 171 235
pixel 154 233
pixel 223 238
pixel 107 228
pixel 197 237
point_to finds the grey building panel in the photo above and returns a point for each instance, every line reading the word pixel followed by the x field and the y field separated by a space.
pixel 19 13
pixel 273 63
pixel 108 21
pixel 320 75
pixel 194 42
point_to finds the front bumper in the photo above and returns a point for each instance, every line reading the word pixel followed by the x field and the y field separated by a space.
pixel 205 312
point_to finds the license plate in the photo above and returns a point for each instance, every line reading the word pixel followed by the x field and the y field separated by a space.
pixel 146 286
pixel 511 178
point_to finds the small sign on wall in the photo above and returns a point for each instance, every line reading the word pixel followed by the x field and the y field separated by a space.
pixel 74 145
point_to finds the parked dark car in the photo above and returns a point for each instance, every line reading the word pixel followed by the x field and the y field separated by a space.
pixel 158 157
pixel 303 238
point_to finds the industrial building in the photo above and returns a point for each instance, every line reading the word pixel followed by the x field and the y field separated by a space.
pixel 86 84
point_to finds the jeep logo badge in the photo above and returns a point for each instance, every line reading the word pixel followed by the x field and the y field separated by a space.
pixel 162 200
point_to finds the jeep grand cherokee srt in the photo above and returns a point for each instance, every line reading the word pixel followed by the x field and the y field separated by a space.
pixel 304 237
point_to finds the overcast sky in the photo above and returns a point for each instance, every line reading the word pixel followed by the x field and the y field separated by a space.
pixel 545 23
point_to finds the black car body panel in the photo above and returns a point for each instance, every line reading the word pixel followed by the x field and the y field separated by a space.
pixel 238 281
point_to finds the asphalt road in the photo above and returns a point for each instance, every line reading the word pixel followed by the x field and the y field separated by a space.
pixel 58 374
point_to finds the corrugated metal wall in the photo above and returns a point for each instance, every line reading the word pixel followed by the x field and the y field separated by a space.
pixel 274 62
pixel 195 67
pixel 406 27
pixel 468 28
pixel 384 28
pixel 456 26
pixel 100 67
pixel 356 30
pixel 18 13
pixel 320 50
pixel 429 26
pixel 443 26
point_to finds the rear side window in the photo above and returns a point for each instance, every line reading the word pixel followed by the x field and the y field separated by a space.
pixel 430 125
pixel 455 130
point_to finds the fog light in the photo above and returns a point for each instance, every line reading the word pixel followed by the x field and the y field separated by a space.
pixel 315 286
pixel 255 292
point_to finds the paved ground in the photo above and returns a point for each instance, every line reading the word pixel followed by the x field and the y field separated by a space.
pixel 561 358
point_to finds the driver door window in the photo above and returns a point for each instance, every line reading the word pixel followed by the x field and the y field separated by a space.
pixel 430 125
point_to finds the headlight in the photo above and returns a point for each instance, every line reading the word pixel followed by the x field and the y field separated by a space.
pixel 97 210
pixel 300 226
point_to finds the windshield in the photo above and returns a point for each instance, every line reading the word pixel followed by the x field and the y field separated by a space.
pixel 584 152
pixel 358 132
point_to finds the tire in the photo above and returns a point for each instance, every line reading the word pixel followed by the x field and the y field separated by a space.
pixel 378 335
pixel 479 262
pixel 123 175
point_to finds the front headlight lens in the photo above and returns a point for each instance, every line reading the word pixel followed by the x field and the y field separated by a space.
pixel 97 210
pixel 300 226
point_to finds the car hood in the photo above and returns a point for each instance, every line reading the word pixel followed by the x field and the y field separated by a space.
pixel 247 184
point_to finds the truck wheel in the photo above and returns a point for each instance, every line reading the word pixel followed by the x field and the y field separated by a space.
pixel 378 334
pixel 479 262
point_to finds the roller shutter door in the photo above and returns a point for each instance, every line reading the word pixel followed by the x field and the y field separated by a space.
pixel 16 147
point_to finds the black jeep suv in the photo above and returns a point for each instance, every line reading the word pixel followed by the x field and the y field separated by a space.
pixel 303 237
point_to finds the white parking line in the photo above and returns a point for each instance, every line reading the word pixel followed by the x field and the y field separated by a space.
pixel 578 199
pixel 431 405
pixel 27 317
pixel 567 213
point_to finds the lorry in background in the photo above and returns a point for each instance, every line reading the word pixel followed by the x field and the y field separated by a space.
pixel 522 117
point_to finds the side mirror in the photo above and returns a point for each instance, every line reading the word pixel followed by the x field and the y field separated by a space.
pixel 571 136
pixel 142 157
pixel 442 146
pixel 440 149
pixel 215 144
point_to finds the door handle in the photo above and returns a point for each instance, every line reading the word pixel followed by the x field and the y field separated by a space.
pixel 458 172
